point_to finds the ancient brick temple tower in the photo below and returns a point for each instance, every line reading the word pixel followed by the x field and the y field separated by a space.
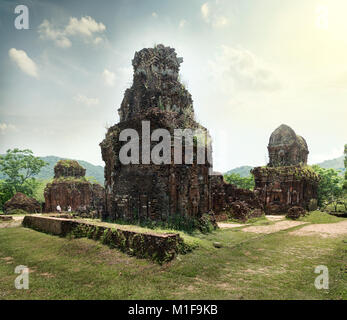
pixel 152 191
pixel 286 181
pixel 70 188
pixel 286 148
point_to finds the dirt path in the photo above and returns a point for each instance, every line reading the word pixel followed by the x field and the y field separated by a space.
pixel 230 225
pixel 278 226
pixel 10 224
pixel 17 221
pixel 327 230
pixel 275 218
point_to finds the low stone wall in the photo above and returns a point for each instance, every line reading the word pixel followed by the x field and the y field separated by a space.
pixel 157 247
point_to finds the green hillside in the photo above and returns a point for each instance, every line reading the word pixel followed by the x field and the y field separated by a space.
pixel 243 171
pixel 337 164
pixel 47 172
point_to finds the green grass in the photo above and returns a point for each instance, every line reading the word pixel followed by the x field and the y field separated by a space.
pixel 248 266
pixel 320 217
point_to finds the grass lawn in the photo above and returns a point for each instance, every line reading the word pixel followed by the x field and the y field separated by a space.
pixel 320 217
pixel 248 266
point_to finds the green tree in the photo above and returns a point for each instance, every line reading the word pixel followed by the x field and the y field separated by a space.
pixel 240 182
pixel 345 183
pixel 19 167
pixel 330 186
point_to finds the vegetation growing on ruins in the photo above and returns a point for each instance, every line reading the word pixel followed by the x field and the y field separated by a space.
pixel 173 222
pixel 68 163
pixel 70 180
pixel 302 171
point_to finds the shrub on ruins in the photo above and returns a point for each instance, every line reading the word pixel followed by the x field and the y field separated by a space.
pixel 19 168
pixel 330 187
pixel 295 213
pixel 17 212
pixel 207 222
pixel 313 205
pixel 240 182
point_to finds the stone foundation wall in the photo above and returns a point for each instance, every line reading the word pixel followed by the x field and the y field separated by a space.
pixel 157 247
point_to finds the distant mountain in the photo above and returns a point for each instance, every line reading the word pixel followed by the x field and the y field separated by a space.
pixel 243 171
pixel 337 164
pixel 47 172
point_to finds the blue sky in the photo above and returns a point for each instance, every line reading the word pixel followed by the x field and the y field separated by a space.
pixel 250 66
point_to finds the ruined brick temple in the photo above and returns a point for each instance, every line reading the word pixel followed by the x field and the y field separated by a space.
pixel 148 190
pixel 229 201
pixel 71 188
pixel 286 181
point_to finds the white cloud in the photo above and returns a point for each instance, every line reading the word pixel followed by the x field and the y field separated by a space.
pixel 182 23
pixel 212 13
pixel 220 21
pixel 205 11
pixel 86 27
pixel 239 68
pixel 21 59
pixel 97 40
pixel 85 100
pixel 47 31
pixel 5 127
pixel 109 78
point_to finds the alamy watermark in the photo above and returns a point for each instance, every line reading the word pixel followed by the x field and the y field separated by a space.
pixel 22 20
pixel 322 281
pixel 159 147
pixel 22 281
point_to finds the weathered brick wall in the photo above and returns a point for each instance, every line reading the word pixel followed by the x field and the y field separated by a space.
pixel 281 188
pixel 230 201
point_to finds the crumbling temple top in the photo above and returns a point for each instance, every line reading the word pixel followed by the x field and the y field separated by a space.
pixel 68 168
pixel 286 148
pixel 70 188
pixel 156 84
